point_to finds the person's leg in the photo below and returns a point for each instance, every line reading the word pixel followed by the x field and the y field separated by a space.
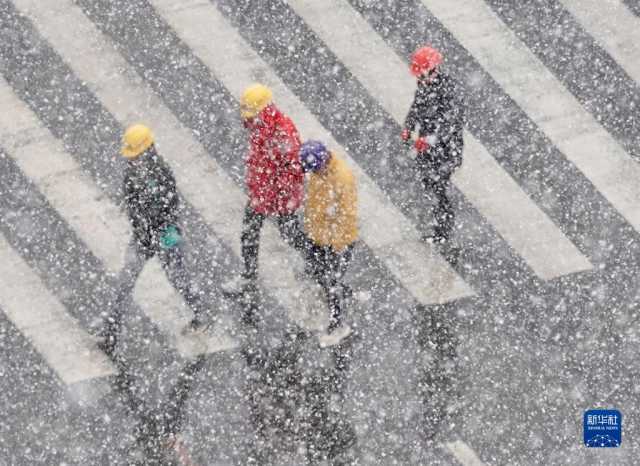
pixel 344 259
pixel 291 230
pixel 436 189
pixel 314 262
pixel 134 261
pixel 337 263
pixel 172 261
pixel 249 248
pixel 331 286
pixel 250 240
pixel 443 211
pixel 426 213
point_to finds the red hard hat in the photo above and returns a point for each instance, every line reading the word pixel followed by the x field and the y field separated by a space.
pixel 424 60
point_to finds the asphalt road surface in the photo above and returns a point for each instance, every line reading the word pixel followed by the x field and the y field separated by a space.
pixel 486 351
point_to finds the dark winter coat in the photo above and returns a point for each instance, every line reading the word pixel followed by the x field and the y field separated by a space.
pixel 438 113
pixel 274 176
pixel 151 198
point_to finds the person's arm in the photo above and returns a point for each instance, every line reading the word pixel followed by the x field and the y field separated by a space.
pixel 412 117
pixel 450 125
pixel 171 200
pixel 135 211
pixel 131 200
pixel 285 149
pixel 165 203
pixel 449 113
pixel 457 137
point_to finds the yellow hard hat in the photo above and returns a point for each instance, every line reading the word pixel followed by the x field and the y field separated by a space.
pixel 136 140
pixel 254 99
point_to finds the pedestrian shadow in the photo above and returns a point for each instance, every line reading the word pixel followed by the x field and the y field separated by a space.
pixel 439 382
pixel 157 431
pixel 294 394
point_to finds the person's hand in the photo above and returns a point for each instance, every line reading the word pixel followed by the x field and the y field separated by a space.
pixel 405 135
pixel 421 144
pixel 170 237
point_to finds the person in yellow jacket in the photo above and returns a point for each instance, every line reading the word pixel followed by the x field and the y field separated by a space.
pixel 330 222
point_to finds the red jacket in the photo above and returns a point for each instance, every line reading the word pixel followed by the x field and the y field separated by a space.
pixel 274 176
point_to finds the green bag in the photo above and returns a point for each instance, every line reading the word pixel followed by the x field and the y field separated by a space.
pixel 170 237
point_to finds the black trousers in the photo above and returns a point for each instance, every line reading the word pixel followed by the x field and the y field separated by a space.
pixel 436 182
pixel 290 230
pixel 172 261
pixel 328 266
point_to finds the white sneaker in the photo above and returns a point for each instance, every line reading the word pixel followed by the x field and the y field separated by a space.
pixel 236 285
pixel 335 337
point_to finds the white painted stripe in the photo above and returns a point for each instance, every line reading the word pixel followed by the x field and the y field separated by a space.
pixel 614 26
pixel 463 453
pixel 96 220
pixel 481 179
pixel 569 126
pixel 418 267
pixel 202 182
pixel 39 316
pixel 42 158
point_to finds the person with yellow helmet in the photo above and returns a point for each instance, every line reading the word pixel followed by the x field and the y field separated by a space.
pixel 331 223
pixel 273 177
pixel 152 204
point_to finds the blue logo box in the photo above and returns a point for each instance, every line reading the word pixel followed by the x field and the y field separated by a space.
pixel 602 428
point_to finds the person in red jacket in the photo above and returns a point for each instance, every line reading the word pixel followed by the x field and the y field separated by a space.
pixel 274 179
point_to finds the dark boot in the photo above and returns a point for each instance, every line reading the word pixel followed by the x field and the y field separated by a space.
pixel 107 343
pixel 334 324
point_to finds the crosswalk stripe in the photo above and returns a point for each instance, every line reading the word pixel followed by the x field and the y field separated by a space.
pixel 580 64
pixel 67 348
pixel 43 159
pixel 427 276
pixel 98 222
pixel 198 176
pixel 615 27
pixel 573 130
pixel 492 191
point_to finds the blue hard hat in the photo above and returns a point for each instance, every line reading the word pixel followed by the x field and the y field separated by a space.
pixel 313 156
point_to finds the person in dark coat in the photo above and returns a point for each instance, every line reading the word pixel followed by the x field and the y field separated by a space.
pixel 437 114
pixel 152 204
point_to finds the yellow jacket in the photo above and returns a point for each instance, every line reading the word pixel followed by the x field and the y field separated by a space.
pixel 331 211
